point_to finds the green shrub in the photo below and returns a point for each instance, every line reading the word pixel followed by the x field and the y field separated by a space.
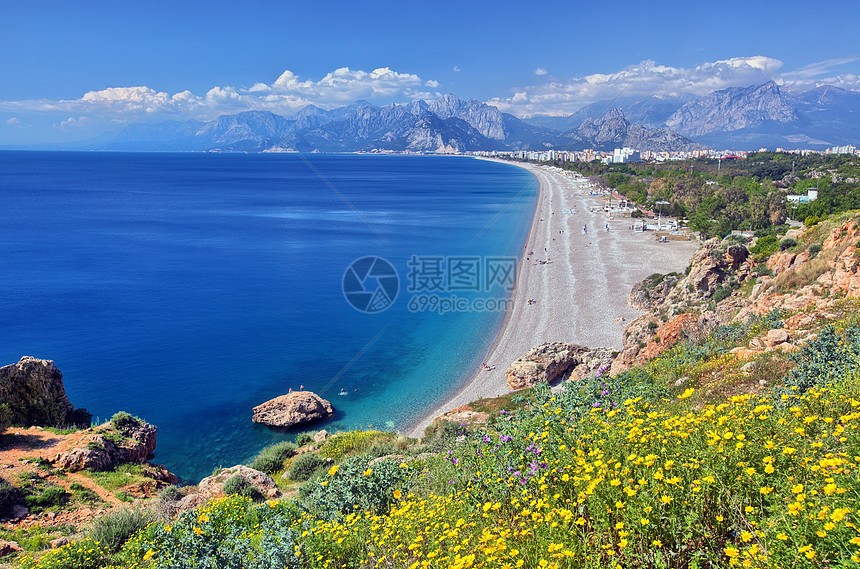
pixel 80 418
pixel 765 246
pixel 116 527
pixel 382 448
pixel 306 465
pixel 9 497
pixel 825 361
pixel 123 421
pixel 83 494
pixel 170 494
pixel 722 293
pixel 5 417
pixel 787 243
pixel 303 439
pixel 238 486
pixel 652 326
pixel 343 444
pixel 811 220
pixel 814 249
pixel 762 270
pixel 46 497
pixel 271 459
pixel 357 485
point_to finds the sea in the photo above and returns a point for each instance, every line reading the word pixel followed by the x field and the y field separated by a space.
pixel 186 288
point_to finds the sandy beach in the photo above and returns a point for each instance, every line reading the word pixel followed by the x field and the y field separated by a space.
pixel 579 280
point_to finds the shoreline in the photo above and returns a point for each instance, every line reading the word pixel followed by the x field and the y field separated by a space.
pixel 579 281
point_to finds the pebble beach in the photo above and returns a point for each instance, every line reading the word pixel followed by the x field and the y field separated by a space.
pixel 576 271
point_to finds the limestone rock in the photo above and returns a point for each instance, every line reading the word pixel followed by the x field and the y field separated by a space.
pixel 19 511
pixel 7 547
pixel 320 436
pixel 99 450
pixel 597 360
pixel 735 255
pixel 544 364
pixel 33 389
pixel 213 486
pixel 292 409
pixel 60 542
pixel 461 415
pixel 776 337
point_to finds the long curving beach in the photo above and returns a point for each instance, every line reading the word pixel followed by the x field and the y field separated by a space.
pixel 579 280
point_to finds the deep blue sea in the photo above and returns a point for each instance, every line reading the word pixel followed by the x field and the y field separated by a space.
pixel 188 288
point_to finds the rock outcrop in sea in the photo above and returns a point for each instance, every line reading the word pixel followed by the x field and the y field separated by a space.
pixel 295 408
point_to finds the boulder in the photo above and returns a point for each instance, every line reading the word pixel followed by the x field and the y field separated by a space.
pixel 776 337
pixel 60 542
pixel 19 511
pixel 735 255
pixel 592 362
pixel 320 436
pixel 292 409
pixel 213 486
pixel 7 547
pixel 105 448
pixel 34 392
pixel 544 364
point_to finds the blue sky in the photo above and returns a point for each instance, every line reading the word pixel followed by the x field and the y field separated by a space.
pixel 71 70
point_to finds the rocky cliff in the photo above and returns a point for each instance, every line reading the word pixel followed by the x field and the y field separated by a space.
pixel 33 393
pixel 725 284
pixel 107 446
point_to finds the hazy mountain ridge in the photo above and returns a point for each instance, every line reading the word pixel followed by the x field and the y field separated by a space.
pixel 445 125
pixel 613 130
pixel 734 109
pixel 743 117
pixel 748 117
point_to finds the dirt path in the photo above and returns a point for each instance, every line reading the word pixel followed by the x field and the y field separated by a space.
pixel 21 450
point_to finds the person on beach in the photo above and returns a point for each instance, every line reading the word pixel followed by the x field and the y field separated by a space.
pixel 585 229
pixel 607 227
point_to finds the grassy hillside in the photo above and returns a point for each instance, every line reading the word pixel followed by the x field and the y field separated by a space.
pixel 731 447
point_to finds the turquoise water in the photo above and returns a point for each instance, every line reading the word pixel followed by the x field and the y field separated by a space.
pixel 187 288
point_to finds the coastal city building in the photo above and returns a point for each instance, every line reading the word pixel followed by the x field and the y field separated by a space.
pixel 809 196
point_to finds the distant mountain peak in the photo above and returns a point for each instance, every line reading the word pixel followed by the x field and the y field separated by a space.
pixel 612 130
pixel 733 109
pixel 482 117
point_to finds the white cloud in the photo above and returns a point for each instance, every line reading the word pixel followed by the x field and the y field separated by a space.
pixel 540 71
pixel 456 68
pixel 14 121
pixel 341 86
pixel 644 78
pixel 822 73
pixel 286 94
pixel 73 122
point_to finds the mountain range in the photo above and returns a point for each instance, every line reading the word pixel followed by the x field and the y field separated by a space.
pixel 739 117
pixel 742 118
